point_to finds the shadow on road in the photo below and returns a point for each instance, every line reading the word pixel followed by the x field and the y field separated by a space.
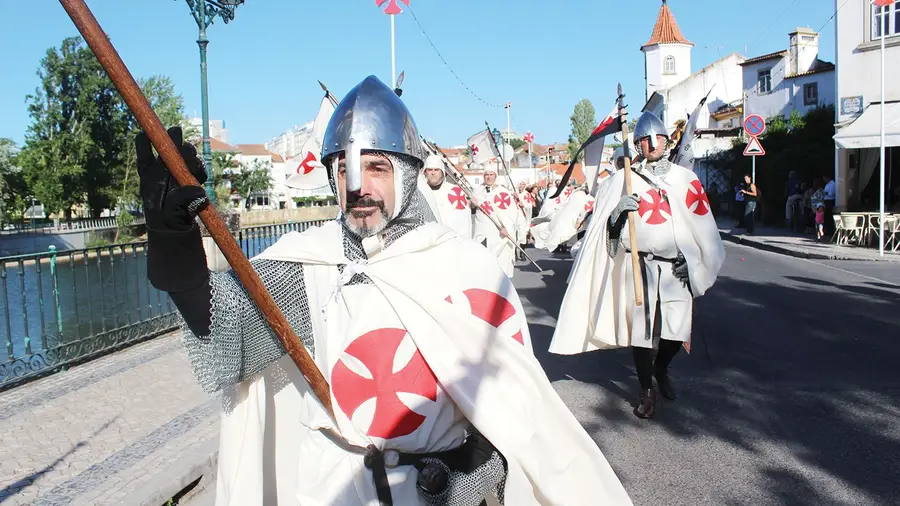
pixel 792 382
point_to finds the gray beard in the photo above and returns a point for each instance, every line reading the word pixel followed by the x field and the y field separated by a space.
pixel 367 231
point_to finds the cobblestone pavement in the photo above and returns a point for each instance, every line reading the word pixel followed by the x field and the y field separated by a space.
pixel 105 432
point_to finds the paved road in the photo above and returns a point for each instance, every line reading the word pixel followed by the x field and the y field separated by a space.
pixel 790 396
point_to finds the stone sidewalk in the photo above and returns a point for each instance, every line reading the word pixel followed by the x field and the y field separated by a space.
pixel 131 428
pixel 779 240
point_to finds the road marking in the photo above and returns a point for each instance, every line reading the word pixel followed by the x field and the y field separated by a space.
pixel 846 271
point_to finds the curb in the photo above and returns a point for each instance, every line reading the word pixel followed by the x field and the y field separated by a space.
pixel 200 462
pixel 727 236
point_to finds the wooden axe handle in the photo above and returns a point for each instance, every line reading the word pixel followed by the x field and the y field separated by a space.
pixel 123 80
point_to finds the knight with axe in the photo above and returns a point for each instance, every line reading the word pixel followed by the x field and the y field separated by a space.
pixel 651 247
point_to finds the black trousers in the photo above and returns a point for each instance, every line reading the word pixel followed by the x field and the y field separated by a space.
pixel 650 362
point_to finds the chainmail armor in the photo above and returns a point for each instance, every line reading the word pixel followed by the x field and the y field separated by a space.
pixel 487 480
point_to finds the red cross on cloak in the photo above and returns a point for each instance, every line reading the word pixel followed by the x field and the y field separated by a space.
pixel 487 208
pixel 306 166
pixel 490 308
pixel 589 206
pixel 697 200
pixel 457 198
pixel 376 350
pixel 502 200
pixel 651 210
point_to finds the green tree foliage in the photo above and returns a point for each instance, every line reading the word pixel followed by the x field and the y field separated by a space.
pixel 224 166
pixel 79 146
pixel 12 184
pixel 583 123
pixel 253 180
pixel 516 143
pixel 800 143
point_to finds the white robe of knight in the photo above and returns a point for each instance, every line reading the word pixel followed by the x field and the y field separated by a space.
pixel 541 225
pixel 527 201
pixel 564 224
pixel 598 310
pixel 498 201
pixel 409 364
pixel 450 206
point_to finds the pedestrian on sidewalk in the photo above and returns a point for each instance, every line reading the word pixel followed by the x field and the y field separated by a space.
pixel 793 196
pixel 820 221
pixel 382 304
pixel 749 193
pixel 830 196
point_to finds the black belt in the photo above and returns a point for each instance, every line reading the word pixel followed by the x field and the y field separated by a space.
pixel 650 256
pixel 379 461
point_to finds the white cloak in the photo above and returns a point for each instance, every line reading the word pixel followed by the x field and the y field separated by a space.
pixel 498 202
pixel 564 224
pixel 459 343
pixel 450 205
pixel 598 310
pixel 527 201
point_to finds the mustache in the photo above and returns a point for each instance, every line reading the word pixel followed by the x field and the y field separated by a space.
pixel 365 202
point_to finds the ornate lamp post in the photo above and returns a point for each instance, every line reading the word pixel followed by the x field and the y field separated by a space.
pixel 205 12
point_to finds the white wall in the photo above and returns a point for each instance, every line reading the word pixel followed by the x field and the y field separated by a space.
pixel 654 61
pixel 772 103
pixel 723 77
pixel 825 81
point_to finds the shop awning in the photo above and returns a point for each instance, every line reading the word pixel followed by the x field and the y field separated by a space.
pixel 865 131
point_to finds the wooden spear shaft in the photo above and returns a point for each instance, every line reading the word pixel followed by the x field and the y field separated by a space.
pixel 123 80
pixel 636 271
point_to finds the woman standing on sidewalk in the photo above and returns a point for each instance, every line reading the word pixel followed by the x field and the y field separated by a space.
pixel 750 194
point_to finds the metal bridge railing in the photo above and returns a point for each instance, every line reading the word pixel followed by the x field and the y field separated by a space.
pixel 63 308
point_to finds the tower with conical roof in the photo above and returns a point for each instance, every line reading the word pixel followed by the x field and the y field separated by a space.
pixel 667 55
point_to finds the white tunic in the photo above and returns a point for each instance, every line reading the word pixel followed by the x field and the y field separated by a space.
pixel 498 201
pixel 450 205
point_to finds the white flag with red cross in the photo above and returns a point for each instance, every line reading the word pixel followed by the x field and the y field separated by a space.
pixel 305 171
pixel 482 146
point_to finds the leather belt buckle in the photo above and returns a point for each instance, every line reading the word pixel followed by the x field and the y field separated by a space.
pixel 649 256
pixel 391 459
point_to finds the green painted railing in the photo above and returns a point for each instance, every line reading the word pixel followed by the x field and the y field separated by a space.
pixel 62 308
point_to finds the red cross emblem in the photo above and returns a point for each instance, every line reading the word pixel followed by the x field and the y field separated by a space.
pixel 568 192
pixel 376 351
pixel 487 208
pixel 393 7
pixel 502 200
pixel 457 198
pixel 558 200
pixel 307 165
pixel 653 209
pixel 492 309
pixel 589 206
pixel 474 150
pixel 528 199
pixel 697 200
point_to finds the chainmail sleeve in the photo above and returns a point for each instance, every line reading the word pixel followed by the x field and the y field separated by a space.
pixel 240 343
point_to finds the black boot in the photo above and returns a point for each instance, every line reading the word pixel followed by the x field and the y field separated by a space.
pixel 665 385
pixel 646 405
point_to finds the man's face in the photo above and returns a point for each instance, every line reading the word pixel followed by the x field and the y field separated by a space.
pixel 490 178
pixel 656 154
pixel 434 176
pixel 521 187
pixel 368 211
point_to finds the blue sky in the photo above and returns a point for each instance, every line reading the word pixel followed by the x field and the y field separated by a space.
pixel 543 56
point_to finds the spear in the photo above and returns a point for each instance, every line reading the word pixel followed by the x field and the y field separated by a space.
pixel 470 192
pixel 328 94
pixel 637 273
pixel 512 184
pixel 123 80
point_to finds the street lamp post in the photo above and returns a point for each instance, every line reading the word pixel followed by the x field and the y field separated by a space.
pixel 205 12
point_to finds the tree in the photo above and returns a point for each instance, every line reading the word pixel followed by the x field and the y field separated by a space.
pixel 224 166
pixel 255 179
pixel 12 184
pixel 516 143
pixel 583 123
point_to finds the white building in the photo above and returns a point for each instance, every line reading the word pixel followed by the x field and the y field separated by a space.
pixel 673 90
pixel 255 156
pixel 289 143
pixel 858 28
pixel 217 128
pixel 794 79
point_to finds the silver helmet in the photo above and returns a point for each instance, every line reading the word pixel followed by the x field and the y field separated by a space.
pixel 370 118
pixel 649 125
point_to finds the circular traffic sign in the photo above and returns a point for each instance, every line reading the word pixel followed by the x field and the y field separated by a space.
pixel 754 125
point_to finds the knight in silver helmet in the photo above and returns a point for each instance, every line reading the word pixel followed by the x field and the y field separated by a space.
pixel 376 300
pixel 680 254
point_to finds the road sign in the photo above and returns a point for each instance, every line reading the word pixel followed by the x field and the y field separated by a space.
pixel 754 125
pixel 754 148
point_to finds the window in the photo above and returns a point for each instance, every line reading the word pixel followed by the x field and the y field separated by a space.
pixel 885 20
pixel 764 81
pixel 811 94
pixel 669 65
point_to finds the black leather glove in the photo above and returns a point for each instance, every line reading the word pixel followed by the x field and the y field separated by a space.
pixel 176 261
pixel 617 219
pixel 680 270
pixel 167 206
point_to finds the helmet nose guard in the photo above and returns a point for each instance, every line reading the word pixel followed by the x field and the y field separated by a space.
pixel 370 118
pixel 649 125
